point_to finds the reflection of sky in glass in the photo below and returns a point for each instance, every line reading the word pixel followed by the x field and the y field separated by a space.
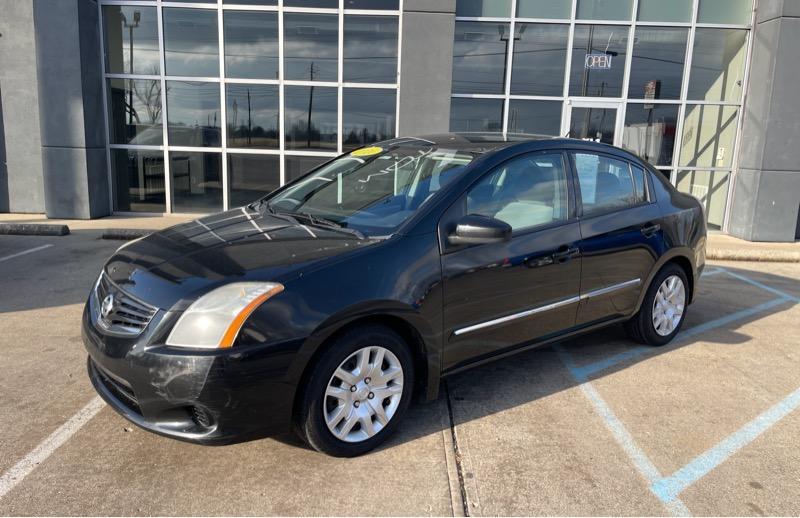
pixel 370 49
pixel 251 44
pixel 118 40
pixel 310 43
pixel 603 39
pixel 476 114
pixel 540 56
pixel 142 124
pixel 190 42
pixel 323 130
pixel 252 113
pixel 368 116
pixel 536 117
pixel 193 112
pixel 658 55
pixel 479 57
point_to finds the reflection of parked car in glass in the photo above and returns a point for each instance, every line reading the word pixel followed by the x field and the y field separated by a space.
pixel 325 305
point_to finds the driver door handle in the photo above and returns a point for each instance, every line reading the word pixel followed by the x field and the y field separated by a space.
pixel 650 229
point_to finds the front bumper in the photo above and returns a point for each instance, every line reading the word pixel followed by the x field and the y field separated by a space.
pixel 207 397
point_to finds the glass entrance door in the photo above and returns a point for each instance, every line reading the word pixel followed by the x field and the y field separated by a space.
pixel 594 120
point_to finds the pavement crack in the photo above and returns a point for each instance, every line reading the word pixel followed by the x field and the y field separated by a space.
pixel 459 456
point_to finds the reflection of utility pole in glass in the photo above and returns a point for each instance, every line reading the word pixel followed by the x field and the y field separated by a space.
pixel 503 37
pixel 137 16
pixel 310 103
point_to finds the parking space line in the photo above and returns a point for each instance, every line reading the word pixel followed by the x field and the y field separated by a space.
pixel 642 462
pixel 24 252
pixel 762 286
pixel 24 467
pixel 673 485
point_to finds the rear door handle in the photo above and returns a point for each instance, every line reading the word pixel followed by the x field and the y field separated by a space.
pixel 650 229
pixel 565 253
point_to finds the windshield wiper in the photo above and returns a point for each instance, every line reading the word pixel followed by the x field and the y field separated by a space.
pixel 319 221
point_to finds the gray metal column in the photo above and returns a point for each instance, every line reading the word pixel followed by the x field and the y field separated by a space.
pixel 21 184
pixel 766 196
pixel 426 66
pixel 71 110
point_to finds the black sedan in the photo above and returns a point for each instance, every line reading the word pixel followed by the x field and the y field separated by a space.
pixel 327 305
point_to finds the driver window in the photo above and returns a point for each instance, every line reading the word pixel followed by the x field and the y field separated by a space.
pixel 525 192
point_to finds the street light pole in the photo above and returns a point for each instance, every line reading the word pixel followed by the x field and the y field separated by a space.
pixel 137 16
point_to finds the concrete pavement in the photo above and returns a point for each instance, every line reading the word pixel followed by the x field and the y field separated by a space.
pixel 596 425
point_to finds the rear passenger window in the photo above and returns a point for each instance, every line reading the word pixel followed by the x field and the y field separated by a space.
pixel 607 184
pixel 525 192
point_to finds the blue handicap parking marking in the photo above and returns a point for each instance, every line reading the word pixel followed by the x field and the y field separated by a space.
pixel 667 489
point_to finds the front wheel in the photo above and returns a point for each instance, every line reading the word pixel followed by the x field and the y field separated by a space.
pixel 357 393
pixel 663 309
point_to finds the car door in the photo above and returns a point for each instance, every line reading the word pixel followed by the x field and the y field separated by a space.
pixel 500 295
pixel 621 234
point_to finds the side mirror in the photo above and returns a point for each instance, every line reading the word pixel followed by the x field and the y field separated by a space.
pixel 473 229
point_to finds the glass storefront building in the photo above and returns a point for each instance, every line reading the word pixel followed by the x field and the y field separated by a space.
pixel 202 105
pixel 662 79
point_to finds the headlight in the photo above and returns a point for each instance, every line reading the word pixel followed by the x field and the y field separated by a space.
pixel 213 321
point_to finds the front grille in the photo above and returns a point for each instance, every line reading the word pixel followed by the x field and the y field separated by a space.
pixel 118 312
pixel 119 389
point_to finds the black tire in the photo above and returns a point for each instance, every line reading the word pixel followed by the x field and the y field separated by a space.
pixel 311 416
pixel 640 327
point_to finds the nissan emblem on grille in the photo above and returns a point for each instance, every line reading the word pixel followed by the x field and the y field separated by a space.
pixel 108 305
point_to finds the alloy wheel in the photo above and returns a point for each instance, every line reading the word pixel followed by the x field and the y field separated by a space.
pixel 668 305
pixel 363 394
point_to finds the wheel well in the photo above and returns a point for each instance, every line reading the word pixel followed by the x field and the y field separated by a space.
pixel 686 266
pixel 398 325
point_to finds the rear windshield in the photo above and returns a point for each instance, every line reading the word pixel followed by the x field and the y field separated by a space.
pixel 375 189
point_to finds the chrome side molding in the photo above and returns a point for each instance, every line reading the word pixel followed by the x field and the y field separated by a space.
pixel 548 307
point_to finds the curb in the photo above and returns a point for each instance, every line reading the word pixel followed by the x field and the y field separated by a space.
pixel 33 229
pixel 124 234
pixel 762 256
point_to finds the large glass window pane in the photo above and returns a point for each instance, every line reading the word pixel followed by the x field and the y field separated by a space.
pixel 540 56
pixel 252 176
pixel 191 43
pixel 310 46
pixel 311 117
pixel 476 114
pixel 368 116
pixel 296 166
pixel 196 181
pixel 193 114
pixel 370 49
pixel 734 12
pixel 534 117
pixel 251 2
pixel 589 123
pixel 327 4
pixel 491 8
pixel 717 65
pixel 560 9
pixel 479 57
pixel 598 60
pixel 657 63
pixel 661 11
pixel 253 115
pixel 604 9
pixel 711 188
pixel 650 131
pixel 138 180
pixel 134 109
pixel 708 136
pixel 251 44
pixel 131 40
pixel 384 5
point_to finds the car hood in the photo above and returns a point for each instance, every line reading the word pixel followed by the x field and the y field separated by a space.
pixel 179 263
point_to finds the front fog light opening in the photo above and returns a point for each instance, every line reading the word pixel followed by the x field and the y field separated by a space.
pixel 201 416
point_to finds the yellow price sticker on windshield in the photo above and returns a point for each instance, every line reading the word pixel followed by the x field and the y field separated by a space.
pixel 367 151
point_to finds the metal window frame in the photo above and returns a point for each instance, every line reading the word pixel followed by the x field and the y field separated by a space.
pixel 281 151
pixel 622 102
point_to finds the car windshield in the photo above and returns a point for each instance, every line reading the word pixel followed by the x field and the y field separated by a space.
pixel 372 190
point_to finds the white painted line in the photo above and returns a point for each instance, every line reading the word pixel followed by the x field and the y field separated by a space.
pixel 23 468
pixel 12 256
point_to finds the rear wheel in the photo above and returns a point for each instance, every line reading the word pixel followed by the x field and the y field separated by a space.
pixel 663 309
pixel 358 392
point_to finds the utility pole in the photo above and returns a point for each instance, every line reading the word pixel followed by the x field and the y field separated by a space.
pixel 137 16
pixel 310 105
